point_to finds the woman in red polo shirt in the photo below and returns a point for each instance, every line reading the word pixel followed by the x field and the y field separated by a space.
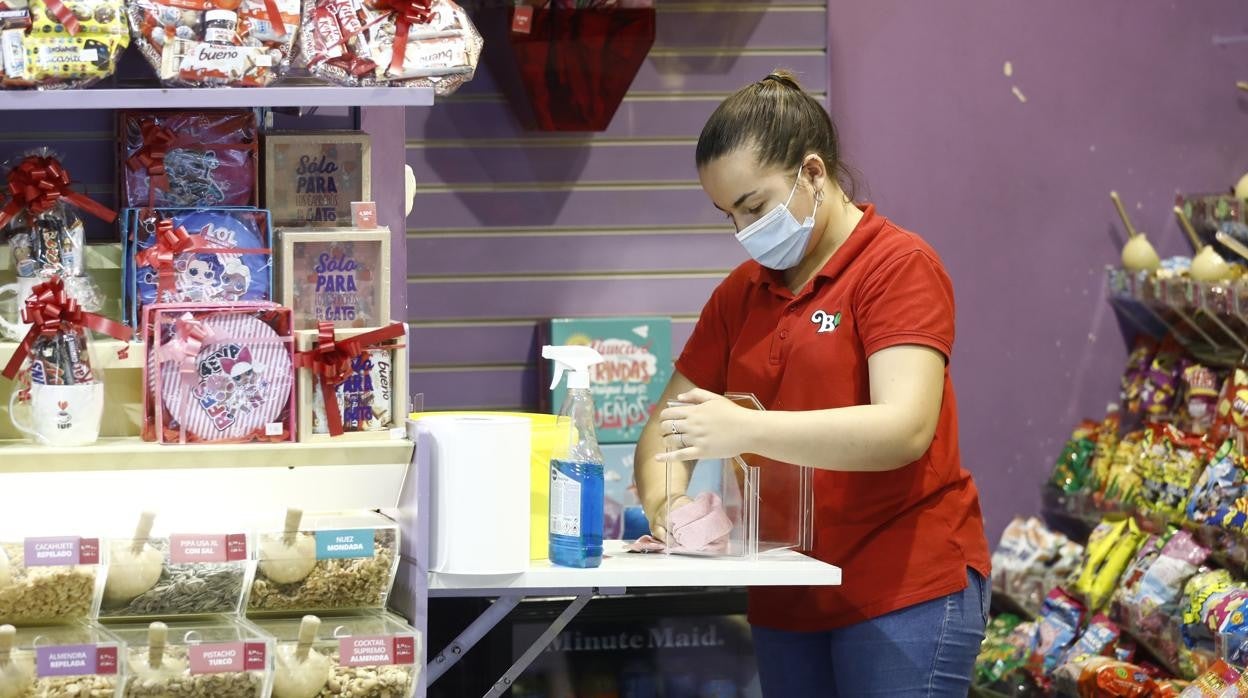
pixel 842 325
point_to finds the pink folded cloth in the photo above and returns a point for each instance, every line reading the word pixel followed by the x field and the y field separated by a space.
pixel 701 526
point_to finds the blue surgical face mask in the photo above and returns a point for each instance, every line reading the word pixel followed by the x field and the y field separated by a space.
pixel 777 241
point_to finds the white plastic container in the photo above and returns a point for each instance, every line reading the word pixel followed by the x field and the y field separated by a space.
pixel 762 508
pixel 222 658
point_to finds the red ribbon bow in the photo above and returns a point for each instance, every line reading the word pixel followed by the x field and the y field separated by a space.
pixel 48 310
pixel 189 336
pixel 38 183
pixel 406 13
pixel 170 242
pixel 65 16
pixel 157 140
pixel 330 361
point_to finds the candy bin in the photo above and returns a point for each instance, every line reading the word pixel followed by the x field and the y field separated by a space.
pixel 415 43
pixel 760 506
pixel 328 563
pixel 50 579
pixel 79 660
pixel 366 656
pixel 56 44
pixel 168 574
pixel 220 374
pixel 220 658
pixel 188 159
pixel 64 395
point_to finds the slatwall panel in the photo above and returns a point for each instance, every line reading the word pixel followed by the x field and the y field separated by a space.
pixel 510 227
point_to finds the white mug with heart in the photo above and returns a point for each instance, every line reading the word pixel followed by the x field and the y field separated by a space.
pixel 61 415
pixel 15 329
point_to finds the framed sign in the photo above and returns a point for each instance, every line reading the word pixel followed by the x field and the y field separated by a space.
pixel 372 401
pixel 338 275
pixel 311 178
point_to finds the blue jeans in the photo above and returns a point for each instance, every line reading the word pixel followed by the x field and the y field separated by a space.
pixel 925 651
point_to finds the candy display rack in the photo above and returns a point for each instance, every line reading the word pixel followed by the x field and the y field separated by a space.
pixel 141 96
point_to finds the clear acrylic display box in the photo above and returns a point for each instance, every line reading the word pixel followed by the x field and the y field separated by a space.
pixel 222 657
pixel 769 505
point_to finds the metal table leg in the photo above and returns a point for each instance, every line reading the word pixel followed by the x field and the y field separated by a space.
pixel 472 635
pixel 539 645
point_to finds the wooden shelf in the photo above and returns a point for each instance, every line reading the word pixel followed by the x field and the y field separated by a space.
pixel 135 454
pixel 220 97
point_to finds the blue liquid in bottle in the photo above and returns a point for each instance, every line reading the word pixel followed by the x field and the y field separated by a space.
pixel 576 517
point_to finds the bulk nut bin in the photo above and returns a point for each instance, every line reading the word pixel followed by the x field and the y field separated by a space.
pixel 50 579
pixel 167 574
pixel 80 660
pixel 325 563
pixel 760 506
pixel 221 658
pixel 372 655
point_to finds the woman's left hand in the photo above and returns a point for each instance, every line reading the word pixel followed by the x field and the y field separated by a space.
pixel 709 426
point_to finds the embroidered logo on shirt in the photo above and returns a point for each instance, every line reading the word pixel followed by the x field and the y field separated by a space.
pixel 827 322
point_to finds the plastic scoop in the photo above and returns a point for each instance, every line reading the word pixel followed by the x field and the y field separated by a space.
pixel 1241 188
pixel 135 566
pixel 1138 254
pixel 1207 265
pixel 17 674
pixel 301 673
pixel 6 574
pixel 156 666
pixel 291 557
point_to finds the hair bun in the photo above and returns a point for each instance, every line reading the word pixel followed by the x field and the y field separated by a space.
pixel 783 77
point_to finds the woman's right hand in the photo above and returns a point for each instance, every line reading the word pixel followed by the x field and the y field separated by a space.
pixel 658 515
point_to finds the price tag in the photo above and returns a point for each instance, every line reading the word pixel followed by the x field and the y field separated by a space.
pixel 522 20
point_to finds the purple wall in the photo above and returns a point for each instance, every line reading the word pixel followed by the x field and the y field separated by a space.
pixel 510 227
pixel 1133 96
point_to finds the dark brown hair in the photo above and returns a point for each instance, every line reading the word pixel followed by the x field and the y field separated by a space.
pixel 781 122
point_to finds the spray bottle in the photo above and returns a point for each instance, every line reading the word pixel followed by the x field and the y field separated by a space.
pixel 576 465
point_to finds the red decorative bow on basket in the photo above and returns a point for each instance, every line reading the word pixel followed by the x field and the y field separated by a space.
pixel 49 310
pixel 406 13
pixel 330 361
pixel 157 140
pixel 38 183
pixel 170 242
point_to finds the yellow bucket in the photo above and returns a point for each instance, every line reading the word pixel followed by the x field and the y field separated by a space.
pixel 542 444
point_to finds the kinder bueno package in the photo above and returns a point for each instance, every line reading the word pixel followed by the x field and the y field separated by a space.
pixel 203 43
pixel 420 43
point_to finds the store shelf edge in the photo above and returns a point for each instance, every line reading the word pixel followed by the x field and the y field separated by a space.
pixel 207 98
pixel 135 454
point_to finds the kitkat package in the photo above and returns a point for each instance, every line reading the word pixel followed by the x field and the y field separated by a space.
pixel 185 159
pixel 220 373
pixel 627 385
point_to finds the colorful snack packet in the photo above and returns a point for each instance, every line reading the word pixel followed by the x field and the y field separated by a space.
pixel 1122 484
pixel 1212 683
pixel 1057 628
pixel 1109 551
pixel 1133 376
pixel 1097 640
pixel 1232 417
pixel 1219 486
pixel 1159 394
pixel 1106 443
pixel 1199 591
pixel 1113 679
pixel 1073 468
pixel 1200 398
pixel 1163 582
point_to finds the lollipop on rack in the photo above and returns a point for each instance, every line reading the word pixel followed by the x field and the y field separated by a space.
pixel 301 673
pixel 1207 264
pixel 1137 254
pixel 291 557
pixel 135 566
pixel 1241 188
pixel 156 666
pixel 17 675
